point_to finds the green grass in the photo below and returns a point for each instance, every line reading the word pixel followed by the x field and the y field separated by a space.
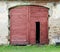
pixel 34 48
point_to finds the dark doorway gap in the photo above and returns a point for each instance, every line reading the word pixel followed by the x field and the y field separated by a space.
pixel 37 32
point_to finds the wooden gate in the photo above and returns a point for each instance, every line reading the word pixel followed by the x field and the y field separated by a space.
pixel 23 24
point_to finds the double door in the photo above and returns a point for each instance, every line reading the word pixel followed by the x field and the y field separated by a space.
pixel 28 25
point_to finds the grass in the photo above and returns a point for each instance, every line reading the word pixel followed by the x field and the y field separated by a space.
pixel 34 48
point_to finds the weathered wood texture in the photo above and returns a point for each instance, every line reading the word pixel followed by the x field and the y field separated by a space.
pixel 23 24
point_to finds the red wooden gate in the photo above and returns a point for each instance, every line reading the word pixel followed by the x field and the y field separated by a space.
pixel 23 24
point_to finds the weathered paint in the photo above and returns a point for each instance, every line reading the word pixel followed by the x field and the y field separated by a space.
pixel 38 14
pixel 23 27
pixel 19 25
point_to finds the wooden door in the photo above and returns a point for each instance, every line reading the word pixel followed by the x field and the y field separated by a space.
pixel 39 14
pixel 19 25
pixel 23 25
